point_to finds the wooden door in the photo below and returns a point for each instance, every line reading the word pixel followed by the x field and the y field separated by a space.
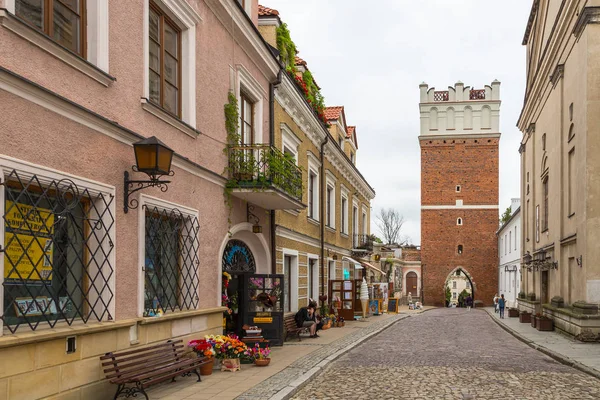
pixel 411 284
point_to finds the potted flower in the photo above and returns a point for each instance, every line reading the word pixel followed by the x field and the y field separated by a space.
pixel 544 323
pixel 203 349
pixel 260 355
pixel 228 349
pixel 513 312
pixel 525 317
pixel 534 319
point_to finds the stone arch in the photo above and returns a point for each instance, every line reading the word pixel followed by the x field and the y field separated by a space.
pixel 469 278
pixel 450 118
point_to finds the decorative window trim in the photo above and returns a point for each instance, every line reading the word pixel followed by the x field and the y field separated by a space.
pixel 246 83
pixel 186 18
pixel 294 278
pixel 314 281
pixel 169 119
pixel 96 65
pixel 330 183
pixel 344 211
pixel 365 220
pixel 289 140
pixel 459 221
pixel 46 175
pixel 149 201
pixel 312 167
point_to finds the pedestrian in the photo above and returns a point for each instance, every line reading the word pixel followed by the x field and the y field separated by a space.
pixel 501 304
pixel 304 319
pixel 469 302
pixel 496 303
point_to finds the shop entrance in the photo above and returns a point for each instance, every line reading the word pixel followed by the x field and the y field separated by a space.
pixel 457 288
pixel 411 284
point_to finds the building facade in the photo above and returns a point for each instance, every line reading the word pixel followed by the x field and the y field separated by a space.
pixel 402 267
pixel 459 188
pixel 509 252
pixel 559 189
pixel 91 262
pixel 330 238
pixel 457 283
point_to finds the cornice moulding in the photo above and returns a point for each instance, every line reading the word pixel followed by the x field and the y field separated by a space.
pixel 589 15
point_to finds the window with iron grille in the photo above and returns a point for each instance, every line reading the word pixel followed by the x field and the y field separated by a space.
pixel 58 251
pixel 171 261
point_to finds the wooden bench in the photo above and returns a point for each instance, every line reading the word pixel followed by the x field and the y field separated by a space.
pixel 289 324
pixel 134 370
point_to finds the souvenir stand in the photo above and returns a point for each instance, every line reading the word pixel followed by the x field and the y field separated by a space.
pixel 343 297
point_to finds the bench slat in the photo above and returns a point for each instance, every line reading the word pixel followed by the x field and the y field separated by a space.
pixel 123 369
pixel 141 350
pixel 168 350
pixel 168 376
pixel 159 370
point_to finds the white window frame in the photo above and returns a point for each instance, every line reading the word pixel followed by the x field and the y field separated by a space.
pixel 330 182
pixel 149 201
pixel 313 166
pixel 365 220
pixel 294 278
pixel 344 210
pixel 312 277
pixel 355 226
pixel 186 18
pixel 331 266
pixel 46 175
pixel 289 141
pixel 459 221
pixel 246 83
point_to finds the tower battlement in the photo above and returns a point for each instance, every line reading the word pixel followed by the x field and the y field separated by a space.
pixel 460 110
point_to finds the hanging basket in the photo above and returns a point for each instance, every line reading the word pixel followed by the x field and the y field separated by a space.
pixel 262 362
pixel 207 369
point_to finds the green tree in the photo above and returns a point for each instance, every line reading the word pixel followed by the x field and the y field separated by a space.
pixel 448 295
pixel 506 216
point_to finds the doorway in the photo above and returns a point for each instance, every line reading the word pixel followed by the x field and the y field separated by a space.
pixel 411 284
pixel 237 262
pixel 457 288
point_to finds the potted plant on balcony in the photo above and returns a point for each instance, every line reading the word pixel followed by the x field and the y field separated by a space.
pixel 525 317
pixel 544 323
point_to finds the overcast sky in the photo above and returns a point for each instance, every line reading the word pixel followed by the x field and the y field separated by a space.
pixel 371 56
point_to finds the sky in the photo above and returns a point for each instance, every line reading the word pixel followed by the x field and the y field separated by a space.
pixel 371 56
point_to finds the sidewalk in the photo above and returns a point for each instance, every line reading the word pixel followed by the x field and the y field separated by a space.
pixel 583 356
pixel 291 365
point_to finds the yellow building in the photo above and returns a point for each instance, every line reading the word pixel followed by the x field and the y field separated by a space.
pixel 330 238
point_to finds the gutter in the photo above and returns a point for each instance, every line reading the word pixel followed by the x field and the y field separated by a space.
pixel 322 212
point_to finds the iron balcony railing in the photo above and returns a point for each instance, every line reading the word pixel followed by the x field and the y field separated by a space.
pixel 363 242
pixel 263 166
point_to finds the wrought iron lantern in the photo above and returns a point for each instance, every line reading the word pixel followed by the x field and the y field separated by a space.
pixel 154 158
pixel 527 258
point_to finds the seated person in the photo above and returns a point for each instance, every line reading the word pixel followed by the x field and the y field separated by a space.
pixel 316 317
pixel 305 318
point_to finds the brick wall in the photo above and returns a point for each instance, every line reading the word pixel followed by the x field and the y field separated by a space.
pixel 472 164
pixel 411 254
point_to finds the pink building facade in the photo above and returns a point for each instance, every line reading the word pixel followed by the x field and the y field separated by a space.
pixel 82 277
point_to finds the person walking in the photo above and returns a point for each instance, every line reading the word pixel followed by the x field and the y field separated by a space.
pixel 501 304
pixel 496 303
pixel 469 302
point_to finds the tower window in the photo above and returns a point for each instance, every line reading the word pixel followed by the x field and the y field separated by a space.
pixel 460 249
pixel 457 188
pixel 459 221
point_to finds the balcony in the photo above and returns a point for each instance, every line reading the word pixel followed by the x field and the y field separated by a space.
pixel 362 243
pixel 264 176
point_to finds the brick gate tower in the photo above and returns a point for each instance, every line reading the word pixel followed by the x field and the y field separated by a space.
pixel 459 188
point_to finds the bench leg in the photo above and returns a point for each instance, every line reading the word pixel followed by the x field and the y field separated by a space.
pixel 127 392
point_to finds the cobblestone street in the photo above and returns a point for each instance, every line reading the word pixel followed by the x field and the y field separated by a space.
pixel 448 354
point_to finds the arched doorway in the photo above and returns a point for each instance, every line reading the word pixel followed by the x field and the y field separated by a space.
pixel 459 285
pixel 237 261
pixel 411 284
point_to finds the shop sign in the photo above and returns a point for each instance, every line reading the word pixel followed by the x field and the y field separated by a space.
pixel 263 320
pixel 28 244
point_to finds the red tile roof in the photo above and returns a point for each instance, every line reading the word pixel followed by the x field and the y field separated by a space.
pixel 300 61
pixel 350 131
pixel 266 11
pixel 333 113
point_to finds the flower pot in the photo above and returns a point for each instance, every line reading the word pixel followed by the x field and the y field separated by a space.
pixel 230 364
pixel 216 364
pixel 207 369
pixel 533 321
pixel 525 317
pixel 513 313
pixel 544 324
pixel 262 362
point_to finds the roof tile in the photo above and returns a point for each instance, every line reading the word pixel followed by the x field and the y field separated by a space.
pixel 266 11
pixel 333 113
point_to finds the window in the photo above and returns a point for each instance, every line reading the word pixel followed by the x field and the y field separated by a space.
pixel 246 120
pixel 515 238
pixel 59 251
pixel 459 221
pixel 330 203
pixel 453 284
pixel 509 241
pixel 287 272
pixel 289 142
pixel 457 188
pixel 458 273
pixel 165 61
pixel 355 226
pixel 352 157
pixel 571 183
pixel 171 258
pixel 344 223
pixel 454 295
pixel 505 243
pixel 460 249
pixel 341 142
pixel 62 20
pixel 545 220
pixel 364 223
pixel 312 193
pixel 331 270
pixel 313 279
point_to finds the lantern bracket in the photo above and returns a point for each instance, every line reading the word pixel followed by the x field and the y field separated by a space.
pixel 132 186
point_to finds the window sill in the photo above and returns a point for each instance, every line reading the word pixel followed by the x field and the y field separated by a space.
pixel 292 212
pixel 344 235
pixel 181 314
pixel 44 42
pixel 313 221
pixel 169 119
pixel 330 229
pixel 62 332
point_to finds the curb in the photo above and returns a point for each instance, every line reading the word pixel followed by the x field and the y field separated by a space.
pixel 550 353
pixel 293 387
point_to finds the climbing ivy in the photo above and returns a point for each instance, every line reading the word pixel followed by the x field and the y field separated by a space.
pixel 286 47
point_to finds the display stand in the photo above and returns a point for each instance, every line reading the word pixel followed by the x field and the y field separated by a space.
pixel 344 290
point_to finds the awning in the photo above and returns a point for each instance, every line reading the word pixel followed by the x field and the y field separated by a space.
pixel 353 261
pixel 366 264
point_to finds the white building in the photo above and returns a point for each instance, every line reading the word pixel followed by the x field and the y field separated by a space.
pixel 509 248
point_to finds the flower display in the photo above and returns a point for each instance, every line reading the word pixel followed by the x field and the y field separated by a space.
pixel 258 353
pixel 202 347
pixel 226 346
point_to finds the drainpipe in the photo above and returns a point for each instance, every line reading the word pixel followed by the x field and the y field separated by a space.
pixel 272 142
pixel 322 212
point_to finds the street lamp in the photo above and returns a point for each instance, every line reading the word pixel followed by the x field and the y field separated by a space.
pixel 154 158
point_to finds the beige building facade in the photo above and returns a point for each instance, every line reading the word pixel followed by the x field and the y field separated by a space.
pixel 560 167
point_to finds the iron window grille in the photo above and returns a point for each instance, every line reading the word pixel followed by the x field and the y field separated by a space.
pixel 171 261
pixel 57 253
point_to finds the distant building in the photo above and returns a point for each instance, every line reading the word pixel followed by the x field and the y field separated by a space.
pixel 509 252
pixel 457 282
pixel 402 264
pixel 459 188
